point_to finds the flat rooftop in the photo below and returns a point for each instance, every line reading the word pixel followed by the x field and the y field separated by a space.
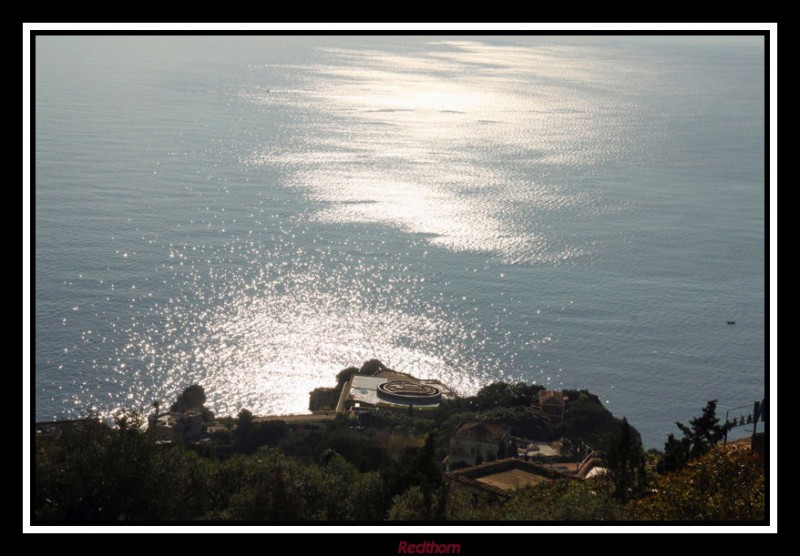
pixel 365 391
pixel 504 476
pixel 512 479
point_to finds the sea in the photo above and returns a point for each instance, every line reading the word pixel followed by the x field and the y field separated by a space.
pixel 254 213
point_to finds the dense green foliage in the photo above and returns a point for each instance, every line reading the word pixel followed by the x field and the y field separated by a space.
pixel 192 398
pixel 323 399
pixel 698 438
pixel 381 465
pixel 551 501
pixel 251 435
pixel 112 475
pixel 624 459
pixel 722 485
pixel 524 421
pixel 564 501
pixel 504 394
pixel 587 422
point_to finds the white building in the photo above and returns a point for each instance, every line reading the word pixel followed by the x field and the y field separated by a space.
pixel 177 427
pixel 474 442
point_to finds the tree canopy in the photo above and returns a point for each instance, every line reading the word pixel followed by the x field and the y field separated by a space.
pixel 722 485
pixel 702 434
pixel 193 398
pixel 383 465
pixel 624 459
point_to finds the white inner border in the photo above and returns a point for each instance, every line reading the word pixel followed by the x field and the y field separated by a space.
pixel 423 27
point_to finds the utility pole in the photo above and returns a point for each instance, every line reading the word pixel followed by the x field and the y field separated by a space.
pixel 758 411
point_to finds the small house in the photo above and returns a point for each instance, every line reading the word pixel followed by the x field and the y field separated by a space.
pixel 476 442
pixel 550 403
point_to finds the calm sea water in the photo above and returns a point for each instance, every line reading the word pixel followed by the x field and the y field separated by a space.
pixel 255 213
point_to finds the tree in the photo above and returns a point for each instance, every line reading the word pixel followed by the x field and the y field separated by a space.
pixel 372 367
pixel 562 500
pixel 192 398
pixel 588 421
pixel 524 421
pixel 321 399
pixel 429 470
pixel 129 419
pixel 419 469
pixel 705 431
pixel 703 434
pixel 343 376
pixel 624 459
pixel 497 394
pixel 244 421
pixel 676 454
pixel 244 426
pixel 268 433
pixel 722 485
pixel 504 394
pixel 408 506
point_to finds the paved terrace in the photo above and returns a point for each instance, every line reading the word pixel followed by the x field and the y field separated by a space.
pixel 304 418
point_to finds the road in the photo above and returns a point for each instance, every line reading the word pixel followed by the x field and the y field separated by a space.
pixel 322 416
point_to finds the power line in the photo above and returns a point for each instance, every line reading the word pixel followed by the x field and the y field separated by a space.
pixel 745 415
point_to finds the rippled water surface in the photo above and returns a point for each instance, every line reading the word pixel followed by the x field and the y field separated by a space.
pixel 256 213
